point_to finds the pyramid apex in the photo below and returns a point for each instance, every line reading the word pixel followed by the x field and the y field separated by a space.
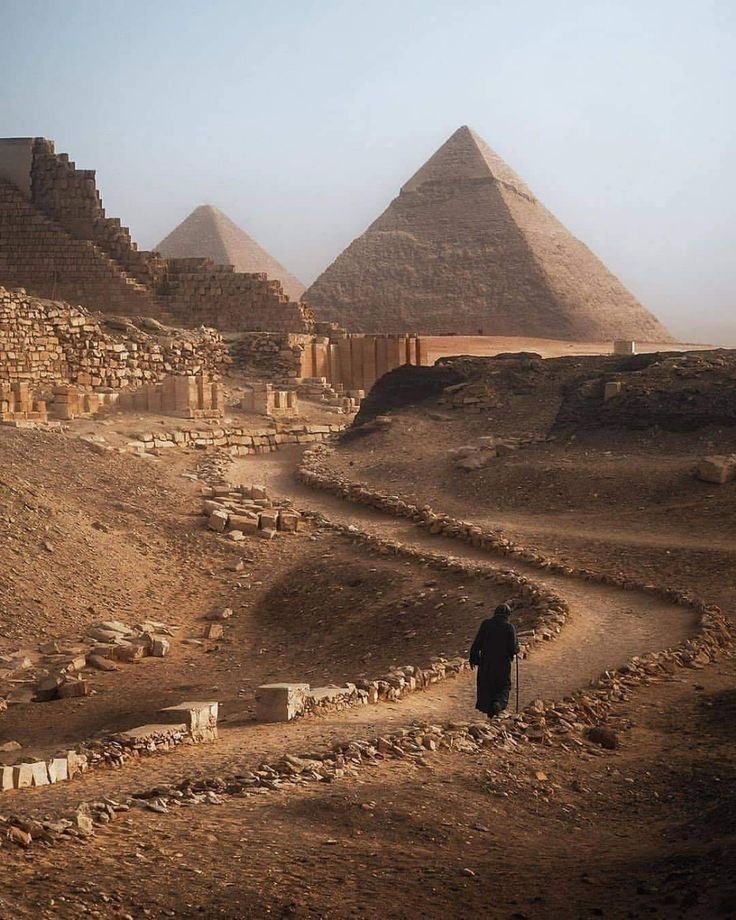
pixel 208 232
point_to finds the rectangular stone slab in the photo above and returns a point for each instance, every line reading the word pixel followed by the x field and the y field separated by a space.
pixel 280 702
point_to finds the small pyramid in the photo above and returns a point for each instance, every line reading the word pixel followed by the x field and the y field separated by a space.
pixel 209 233
pixel 467 248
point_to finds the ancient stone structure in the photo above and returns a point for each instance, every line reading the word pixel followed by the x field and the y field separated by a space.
pixel 262 398
pixel 56 241
pixel 185 396
pixel 70 402
pixel 48 343
pixel 467 248
pixel 209 233
pixel 17 404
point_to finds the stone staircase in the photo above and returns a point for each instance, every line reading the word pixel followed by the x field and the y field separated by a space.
pixel 332 397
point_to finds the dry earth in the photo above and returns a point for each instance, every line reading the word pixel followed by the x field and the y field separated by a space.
pixel 644 830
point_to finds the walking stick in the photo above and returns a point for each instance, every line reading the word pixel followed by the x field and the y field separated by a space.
pixel 517 683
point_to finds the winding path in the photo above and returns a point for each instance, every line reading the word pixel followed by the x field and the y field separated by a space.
pixel 606 626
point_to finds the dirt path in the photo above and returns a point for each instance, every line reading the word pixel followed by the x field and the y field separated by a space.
pixel 606 627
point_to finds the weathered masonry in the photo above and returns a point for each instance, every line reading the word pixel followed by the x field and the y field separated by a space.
pixel 57 242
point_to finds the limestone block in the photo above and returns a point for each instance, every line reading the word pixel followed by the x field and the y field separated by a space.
pixel 200 717
pixel 160 646
pixel 268 520
pixel 22 775
pixel 39 773
pixel 217 521
pixel 6 778
pixel 717 469
pixel 73 688
pixel 128 651
pixel 245 523
pixel 280 702
pixel 288 521
pixel 58 769
pixel 76 764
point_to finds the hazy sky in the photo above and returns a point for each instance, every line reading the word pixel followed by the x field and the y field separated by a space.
pixel 301 118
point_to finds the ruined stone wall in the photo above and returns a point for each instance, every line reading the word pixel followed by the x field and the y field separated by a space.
pixel 57 242
pixel 270 355
pixel 200 291
pixel 46 342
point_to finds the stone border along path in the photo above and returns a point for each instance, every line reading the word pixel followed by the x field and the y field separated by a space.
pixel 563 722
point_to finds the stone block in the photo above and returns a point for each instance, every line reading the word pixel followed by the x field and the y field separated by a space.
pixel 39 773
pixel 160 646
pixel 200 717
pixel 213 631
pixel 245 523
pixel 76 764
pixel 6 778
pixel 58 769
pixel 288 521
pixel 612 388
pixel 268 520
pixel 73 688
pixel 22 775
pixel 717 469
pixel 217 521
pixel 280 702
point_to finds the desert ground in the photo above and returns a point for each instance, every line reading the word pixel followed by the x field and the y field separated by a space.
pixel 521 826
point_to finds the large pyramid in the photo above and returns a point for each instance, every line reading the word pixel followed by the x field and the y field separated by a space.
pixel 210 233
pixel 466 247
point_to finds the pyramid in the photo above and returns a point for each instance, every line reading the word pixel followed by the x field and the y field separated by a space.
pixel 467 248
pixel 207 232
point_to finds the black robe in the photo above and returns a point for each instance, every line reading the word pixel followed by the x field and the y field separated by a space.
pixel 492 652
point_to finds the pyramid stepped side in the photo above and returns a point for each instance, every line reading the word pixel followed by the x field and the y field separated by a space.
pixel 38 254
pixel 199 292
pixel 209 233
pixel 69 196
pixel 467 248
pixel 56 241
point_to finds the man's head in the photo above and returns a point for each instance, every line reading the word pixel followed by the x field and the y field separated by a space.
pixel 503 610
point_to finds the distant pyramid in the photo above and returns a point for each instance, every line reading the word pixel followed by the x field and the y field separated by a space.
pixel 467 247
pixel 210 233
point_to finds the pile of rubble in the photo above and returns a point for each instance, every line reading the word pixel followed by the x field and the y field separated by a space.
pixel 246 510
pixel 332 397
pixel 477 456
pixel 60 670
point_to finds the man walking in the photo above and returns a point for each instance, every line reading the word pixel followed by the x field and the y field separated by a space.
pixel 492 652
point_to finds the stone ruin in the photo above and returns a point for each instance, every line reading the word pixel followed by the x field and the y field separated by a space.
pixel 57 241
pixel 209 233
pixel 263 398
pixel 18 407
pixel 185 396
pixel 247 510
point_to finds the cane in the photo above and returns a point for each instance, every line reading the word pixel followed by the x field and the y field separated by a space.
pixel 517 683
